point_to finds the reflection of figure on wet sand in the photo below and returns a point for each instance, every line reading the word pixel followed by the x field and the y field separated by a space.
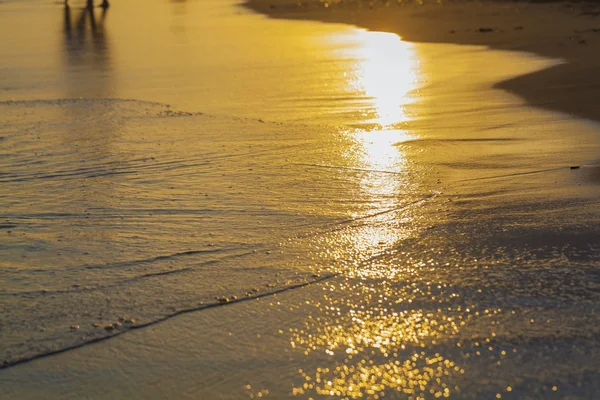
pixel 77 45
pixel 87 51
pixel 90 4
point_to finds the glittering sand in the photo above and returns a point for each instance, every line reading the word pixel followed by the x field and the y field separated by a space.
pixel 448 250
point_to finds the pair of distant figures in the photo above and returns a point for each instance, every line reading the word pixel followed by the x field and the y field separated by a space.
pixel 90 4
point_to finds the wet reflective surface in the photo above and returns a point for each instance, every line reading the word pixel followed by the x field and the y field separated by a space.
pixel 206 56
pixel 399 228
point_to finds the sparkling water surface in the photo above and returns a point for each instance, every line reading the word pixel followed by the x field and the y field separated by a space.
pixel 424 230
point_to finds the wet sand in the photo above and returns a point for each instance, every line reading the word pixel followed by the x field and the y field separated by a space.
pixel 559 30
pixel 450 253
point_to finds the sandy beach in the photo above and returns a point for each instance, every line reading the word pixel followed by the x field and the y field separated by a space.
pixel 284 199
pixel 559 30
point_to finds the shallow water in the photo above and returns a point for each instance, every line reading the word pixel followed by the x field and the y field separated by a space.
pixel 178 155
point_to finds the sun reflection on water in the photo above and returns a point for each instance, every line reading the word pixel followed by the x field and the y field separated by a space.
pixel 386 348
pixel 387 343
pixel 385 73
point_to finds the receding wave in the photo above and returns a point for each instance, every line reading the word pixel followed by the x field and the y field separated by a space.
pixel 121 213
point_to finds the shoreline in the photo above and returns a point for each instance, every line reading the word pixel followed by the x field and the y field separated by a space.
pixel 561 31
pixel 460 261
